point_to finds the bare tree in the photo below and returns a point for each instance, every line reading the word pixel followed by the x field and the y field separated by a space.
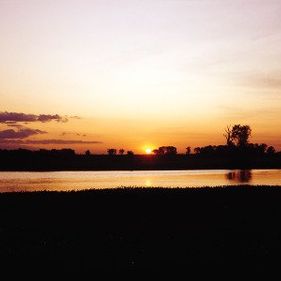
pixel 228 135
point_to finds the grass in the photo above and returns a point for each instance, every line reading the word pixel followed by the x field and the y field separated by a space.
pixel 139 229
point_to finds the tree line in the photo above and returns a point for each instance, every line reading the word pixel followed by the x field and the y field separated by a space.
pixel 237 142
pixel 237 152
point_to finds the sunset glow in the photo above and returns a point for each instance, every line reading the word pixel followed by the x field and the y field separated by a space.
pixel 119 73
pixel 140 136
pixel 148 151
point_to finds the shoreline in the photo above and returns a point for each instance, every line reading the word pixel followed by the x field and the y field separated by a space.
pixel 245 186
pixel 38 161
pixel 142 170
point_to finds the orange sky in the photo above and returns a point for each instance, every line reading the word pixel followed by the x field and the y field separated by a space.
pixel 139 73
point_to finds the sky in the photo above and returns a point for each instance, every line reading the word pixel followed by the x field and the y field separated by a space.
pixel 138 74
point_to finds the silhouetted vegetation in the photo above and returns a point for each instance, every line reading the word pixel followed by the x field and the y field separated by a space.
pixel 237 153
pixel 237 146
pixel 130 153
pixel 188 150
pixel 87 152
pixel 237 135
pixel 165 150
pixel 112 151
pixel 137 230
pixel 215 230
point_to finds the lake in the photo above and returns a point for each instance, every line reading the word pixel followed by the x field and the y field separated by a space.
pixel 78 180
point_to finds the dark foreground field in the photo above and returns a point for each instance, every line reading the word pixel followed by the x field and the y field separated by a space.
pixel 224 231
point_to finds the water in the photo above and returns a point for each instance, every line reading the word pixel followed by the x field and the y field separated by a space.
pixel 62 181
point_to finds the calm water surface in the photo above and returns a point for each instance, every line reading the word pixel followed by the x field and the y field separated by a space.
pixel 35 181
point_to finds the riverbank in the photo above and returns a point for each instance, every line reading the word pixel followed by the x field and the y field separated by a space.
pixel 135 230
pixel 25 160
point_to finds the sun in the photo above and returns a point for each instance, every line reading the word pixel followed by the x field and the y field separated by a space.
pixel 148 150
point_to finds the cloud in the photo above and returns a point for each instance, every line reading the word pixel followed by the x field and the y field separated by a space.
pixel 73 133
pixel 20 134
pixel 47 118
pixel 259 80
pixel 46 141
pixel 14 117
pixel 58 141
pixel 267 82
pixel 236 113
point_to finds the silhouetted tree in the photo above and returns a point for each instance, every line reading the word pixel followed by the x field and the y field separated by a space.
pixel 121 151
pixel 197 150
pixel 111 151
pixel 155 151
pixel 130 152
pixel 63 152
pixel 238 135
pixel 270 150
pixel 188 150
pixel 87 152
pixel 159 151
pixel 171 150
pixel 228 135
pixel 209 149
pixel 165 150
pixel 260 148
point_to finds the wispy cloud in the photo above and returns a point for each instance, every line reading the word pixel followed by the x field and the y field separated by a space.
pixel 267 115
pixel 14 117
pixel 46 141
pixel 20 134
pixel 73 133
pixel 258 80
